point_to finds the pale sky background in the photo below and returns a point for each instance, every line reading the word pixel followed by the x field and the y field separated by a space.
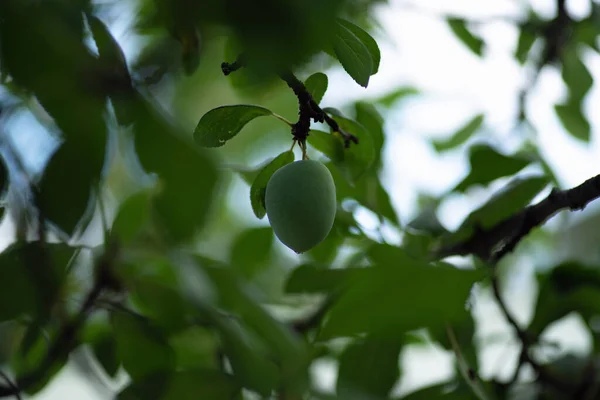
pixel 419 49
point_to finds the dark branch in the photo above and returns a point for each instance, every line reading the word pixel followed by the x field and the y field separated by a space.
pixel 308 107
pixel 501 239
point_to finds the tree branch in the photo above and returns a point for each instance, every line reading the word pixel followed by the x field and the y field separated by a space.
pixel 494 243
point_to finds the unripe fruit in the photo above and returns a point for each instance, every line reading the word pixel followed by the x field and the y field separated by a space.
pixel 300 203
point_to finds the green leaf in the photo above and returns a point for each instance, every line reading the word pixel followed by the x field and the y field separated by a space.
pixel 310 278
pixel 398 297
pixel 105 351
pixel 367 40
pixel 76 209
pixel 220 124
pixel 108 48
pixel 368 116
pixel 316 85
pixel 251 250
pixel 133 216
pixel 586 31
pixel 487 165
pixel 141 347
pixel 576 75
pixel 369 368
pixel 524 44
pixel 459 27
pixel 183 385
pixel 328 144
pixel 159 301
pixel 371 194
pixel 461 135
pixel 353 54
pixel 573 120
pixel 195 347
pixel 394 96
pixel 259 186
pixel 357 158
pixel 4 178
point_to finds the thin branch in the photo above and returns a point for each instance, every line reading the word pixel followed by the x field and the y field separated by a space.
pixel 494 243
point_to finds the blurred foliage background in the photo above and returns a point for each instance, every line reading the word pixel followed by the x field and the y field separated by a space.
pixel 135 255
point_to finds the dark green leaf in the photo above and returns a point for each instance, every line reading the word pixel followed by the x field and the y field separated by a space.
pixel 141 347
pixel 367 40
pixel 108 48
pixel 587 31
pixel 459 27
pixel 133 216
pixel 161 302
pixel 183 385
pixel 316 84
pixel 4 178
pixel 399 297
pixel 195 347
pixel 259 186
pixel 461 135
pixel 575 74
pixel 328 144
pixel 105 351
pixel 487 165
pixel 309 278
pixel 251 250
pixel 573 120
pixel 369 368
pixel 353 54
pixel 220 124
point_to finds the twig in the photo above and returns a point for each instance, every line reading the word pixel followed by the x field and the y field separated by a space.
pixel 308 107
pixel 509 232
pixel 467 372
pixel 11 384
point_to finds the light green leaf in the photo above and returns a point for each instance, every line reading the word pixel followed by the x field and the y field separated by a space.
pixel 573 120
pixel 576 75
pixel 316 85
pixel 367 40
pixel 133 215
pixel 327 143
pixel 310 278
pixel 357 158
pixel 388 100
pixel 461 135
pixel 353 54
pixel 220 124
pixel 259 186
pixel 459 27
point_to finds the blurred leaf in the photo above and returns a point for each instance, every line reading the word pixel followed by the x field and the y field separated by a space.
pixel 108 48
pixel 369 368
pixel 327 144
pixel 524 44
pixel 259 186
pixel 310 278
pixel 371 194
pixel 132 217
pixel 372 300
pixel 33 276
pixel 316 85
pixel 222 123
pixel 487 165
pixel 183 385
pixel 568 287
pixel 573 120
pixel 141 347
pixel 459 27
pixel 586 31
pixel 353 54
pixel 575 74
pixel 251 250
pixel 368 116
pixel 4 179
pixel 105 351
pixel 441 391
pixel 195 347
pixel 517 194
pixel 391 98
pixel 367 40
pixel 162 303
pixel 357 158
pixel 461 135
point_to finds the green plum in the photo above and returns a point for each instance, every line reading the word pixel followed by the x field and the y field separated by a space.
pixel 301 204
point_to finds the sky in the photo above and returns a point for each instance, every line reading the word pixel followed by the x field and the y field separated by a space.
pixel 419 50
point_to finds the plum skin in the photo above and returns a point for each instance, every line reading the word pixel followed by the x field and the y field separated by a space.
pixel 301 204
